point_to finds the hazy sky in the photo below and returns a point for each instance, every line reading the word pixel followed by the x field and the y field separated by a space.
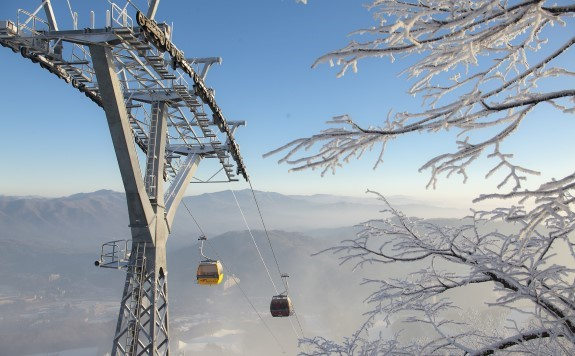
pixel 55 142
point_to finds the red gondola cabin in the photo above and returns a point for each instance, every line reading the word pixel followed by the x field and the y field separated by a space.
pixel 281 306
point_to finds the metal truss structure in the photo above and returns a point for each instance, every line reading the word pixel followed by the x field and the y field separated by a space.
pixel 163 121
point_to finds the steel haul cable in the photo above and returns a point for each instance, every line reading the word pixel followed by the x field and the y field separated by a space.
pixel 273 252
pixel 274 255
pixel 254 240
pixel 259 252
pixel 230 273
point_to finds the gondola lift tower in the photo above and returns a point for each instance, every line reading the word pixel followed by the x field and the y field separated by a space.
pixel 158 106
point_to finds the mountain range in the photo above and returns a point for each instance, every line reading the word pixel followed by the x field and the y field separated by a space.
pixel 52 298
pixel 86 220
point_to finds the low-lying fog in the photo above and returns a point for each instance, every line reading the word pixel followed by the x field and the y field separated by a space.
pixel 54 301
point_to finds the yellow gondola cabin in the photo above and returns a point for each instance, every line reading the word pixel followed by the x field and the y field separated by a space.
pixel 210 272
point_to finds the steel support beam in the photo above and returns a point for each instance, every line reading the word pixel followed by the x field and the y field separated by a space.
pixel 50 15
pixel 152 9
pixel 142 327
pixel 139 208
pixel 176 192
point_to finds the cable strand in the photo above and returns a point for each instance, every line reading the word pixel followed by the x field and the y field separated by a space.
pixel 266 232
pixel 284 280
pixel 232 275
pixel 254 240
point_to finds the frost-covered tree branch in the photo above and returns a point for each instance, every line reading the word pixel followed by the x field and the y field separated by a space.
pixel 525 273
pixel 479 69
pixel 482 65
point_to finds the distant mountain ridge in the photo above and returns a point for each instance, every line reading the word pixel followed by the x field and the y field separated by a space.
pixel 71 221
pixel 85 220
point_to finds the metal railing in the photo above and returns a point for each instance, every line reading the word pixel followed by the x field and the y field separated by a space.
pixel 119 16
pixel 115 254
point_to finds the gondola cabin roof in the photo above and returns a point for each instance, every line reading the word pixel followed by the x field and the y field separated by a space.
pixel 210 272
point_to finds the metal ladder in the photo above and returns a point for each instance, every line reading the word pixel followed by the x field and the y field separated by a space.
pixel 137 270
pixel 151 183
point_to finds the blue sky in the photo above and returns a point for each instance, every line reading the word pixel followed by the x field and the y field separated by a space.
pixel 55 142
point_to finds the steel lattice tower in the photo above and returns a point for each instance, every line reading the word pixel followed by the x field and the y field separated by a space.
pixel 156 105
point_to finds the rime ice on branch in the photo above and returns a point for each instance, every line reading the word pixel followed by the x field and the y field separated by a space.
pixel 482 66
pixel 481 69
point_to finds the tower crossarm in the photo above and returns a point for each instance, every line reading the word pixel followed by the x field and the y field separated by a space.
pixel 151 69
